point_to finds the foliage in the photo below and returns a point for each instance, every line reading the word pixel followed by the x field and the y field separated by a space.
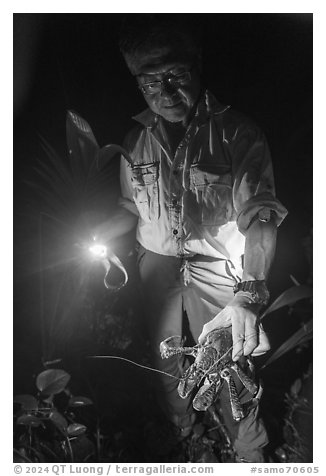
pixel 72 185
pixel 46 430
pixel 300 337
pixel 289 298
pixel 297 430
pixel 70 195
pixel 287 403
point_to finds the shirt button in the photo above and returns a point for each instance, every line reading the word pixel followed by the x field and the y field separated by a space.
pixel 175 232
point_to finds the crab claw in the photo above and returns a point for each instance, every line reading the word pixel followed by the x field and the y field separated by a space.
pixel 170 346
pixel 206 395
pixel 173 346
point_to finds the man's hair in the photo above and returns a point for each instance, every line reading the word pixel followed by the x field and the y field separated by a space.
pixel 142 33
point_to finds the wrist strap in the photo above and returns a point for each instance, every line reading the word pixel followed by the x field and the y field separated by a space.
pixel 257 290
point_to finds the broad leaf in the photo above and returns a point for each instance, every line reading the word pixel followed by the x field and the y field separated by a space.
pixel 82 145
pixel 302 335
pixel 65 188
pixel 109 151
pixel 80 401
pixel 29 420
pixel 59 421
pixel 27 402
pixel 76 429
pixel 289 297
pixel 52 381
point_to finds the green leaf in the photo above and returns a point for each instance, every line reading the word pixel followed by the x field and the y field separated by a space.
pixel 52 381
pixel 289 297
pixel 59 420
pixel 302 335
pixel 80 401
pixel 29 420
pixel 76 429
pixel 28 402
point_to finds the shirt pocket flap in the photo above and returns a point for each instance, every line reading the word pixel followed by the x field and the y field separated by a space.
pixel 208 174
pixel 145 174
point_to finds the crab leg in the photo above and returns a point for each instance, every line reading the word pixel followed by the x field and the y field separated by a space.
pixel 206 395
pixel 170 351
pixel 245 380
pixel 237 411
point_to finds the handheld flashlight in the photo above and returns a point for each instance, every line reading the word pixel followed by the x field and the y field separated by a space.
pixel 98 251
pixel 102 253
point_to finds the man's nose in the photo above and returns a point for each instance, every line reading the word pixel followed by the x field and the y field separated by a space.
pixel 168 89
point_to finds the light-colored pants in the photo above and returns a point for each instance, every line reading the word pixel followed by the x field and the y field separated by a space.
pixel 200 286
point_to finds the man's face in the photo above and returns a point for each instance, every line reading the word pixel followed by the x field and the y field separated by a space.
pixel 177 94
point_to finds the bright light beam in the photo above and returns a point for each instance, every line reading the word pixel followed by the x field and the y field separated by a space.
pixel 98 251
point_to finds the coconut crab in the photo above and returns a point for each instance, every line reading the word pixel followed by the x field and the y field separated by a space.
pixel 213 366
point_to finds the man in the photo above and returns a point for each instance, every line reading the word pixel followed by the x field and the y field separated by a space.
pixel 200 191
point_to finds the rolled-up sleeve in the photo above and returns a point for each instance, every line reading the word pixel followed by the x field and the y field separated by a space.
pixel 253 185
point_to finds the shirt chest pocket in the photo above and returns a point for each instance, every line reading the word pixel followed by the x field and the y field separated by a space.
pixel 211 187
pixel 146 190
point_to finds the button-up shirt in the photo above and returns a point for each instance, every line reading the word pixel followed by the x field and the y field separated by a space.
pixel 201 198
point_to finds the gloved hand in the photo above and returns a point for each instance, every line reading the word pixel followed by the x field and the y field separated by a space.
pixel 248 334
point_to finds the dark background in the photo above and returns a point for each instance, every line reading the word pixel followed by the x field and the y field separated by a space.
pixel 261 64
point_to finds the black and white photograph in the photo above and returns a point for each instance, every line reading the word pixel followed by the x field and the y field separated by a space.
pixel 163 239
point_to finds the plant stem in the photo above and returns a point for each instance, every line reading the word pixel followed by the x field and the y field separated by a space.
pixel 70 449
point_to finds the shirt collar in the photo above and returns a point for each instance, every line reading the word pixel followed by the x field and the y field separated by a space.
pixel 147 118
pixel 208 105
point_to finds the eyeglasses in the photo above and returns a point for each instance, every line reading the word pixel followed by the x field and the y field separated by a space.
pixel 172 80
